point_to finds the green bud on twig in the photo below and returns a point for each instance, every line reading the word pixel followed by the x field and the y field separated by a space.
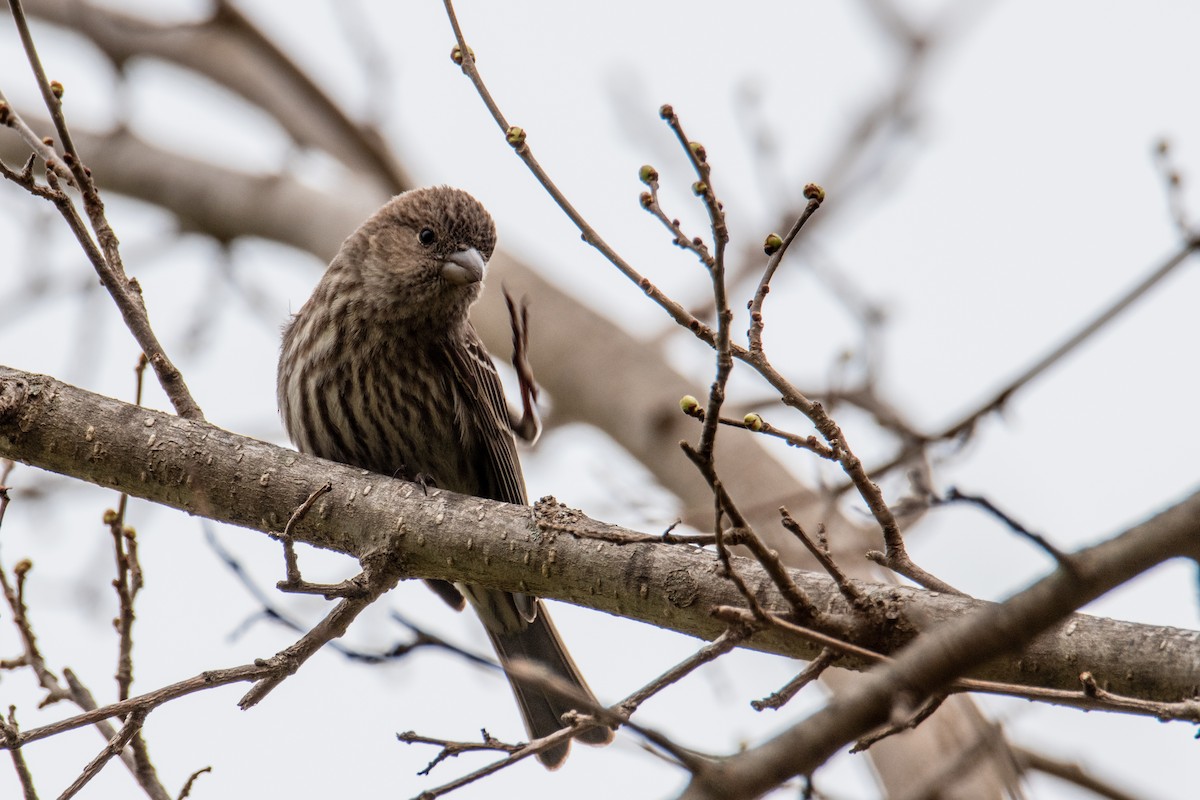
pixel 754 422
pixel 699 188
pixel 813 191
pixel 457 57
pixel 110 516
pixel 648 174
pixel 772 244
pixel 698 151
pixel 690 406
pixel 515 136
pixel 56 89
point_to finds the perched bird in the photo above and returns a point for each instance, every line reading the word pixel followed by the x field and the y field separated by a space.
pixel 381 369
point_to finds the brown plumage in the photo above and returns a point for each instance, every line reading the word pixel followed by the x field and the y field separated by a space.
pixel 381 369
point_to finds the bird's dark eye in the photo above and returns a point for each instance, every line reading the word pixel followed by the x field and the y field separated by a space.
pixel 427 236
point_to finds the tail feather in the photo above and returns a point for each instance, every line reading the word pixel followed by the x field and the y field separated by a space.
pixel 538 641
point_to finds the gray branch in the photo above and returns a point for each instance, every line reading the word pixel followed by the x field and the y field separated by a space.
pixel 549 551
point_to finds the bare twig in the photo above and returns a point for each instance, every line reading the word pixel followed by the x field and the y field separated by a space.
pixel 10 735
pixel 103 252
pixel 923 713
pixel 776 249
pixel 115 745
pixel 790 689
pixel 1065 770
pixel 294 582
pixel 463 55
pixel 824 558
pixel 953 495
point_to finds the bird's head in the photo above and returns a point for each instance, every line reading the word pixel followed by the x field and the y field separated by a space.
pixel 423 254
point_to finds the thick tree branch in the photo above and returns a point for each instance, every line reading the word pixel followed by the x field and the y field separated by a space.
pixel 205 470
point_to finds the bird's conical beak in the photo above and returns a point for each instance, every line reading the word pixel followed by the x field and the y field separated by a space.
pixel 463 267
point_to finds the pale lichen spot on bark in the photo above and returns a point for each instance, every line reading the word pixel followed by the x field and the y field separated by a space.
pixel 90 433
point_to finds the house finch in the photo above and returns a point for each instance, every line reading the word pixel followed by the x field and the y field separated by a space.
pixel 381 369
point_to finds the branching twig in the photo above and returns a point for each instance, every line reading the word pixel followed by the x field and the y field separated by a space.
pixel 821 553
pixel 1062 559
pixel 115 745
pixel 103 252
pixel 790 689
pixel 775 249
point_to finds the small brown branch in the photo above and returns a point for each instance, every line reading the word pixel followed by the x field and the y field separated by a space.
pixel 923 713
pixel 115 745
pixel 1089 329
pixel 815 195
pixel 703 188
pixel 451 749
pixel 10 736
pixel 1173 188
pixel 731 638
pixel 621 712
pixel 293 581
pixel 366 589
pixel 149 701
pixel 516 137
pixel 649 201
pixel 187 787
pixel 103 251
pixel 790 689
pixel 1062 559
pixel 821 553
pixel 1068 771
pixel 768 558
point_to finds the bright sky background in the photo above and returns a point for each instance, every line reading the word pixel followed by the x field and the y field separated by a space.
pixel 1023 199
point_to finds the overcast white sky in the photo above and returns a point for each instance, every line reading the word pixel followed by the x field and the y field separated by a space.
pixel 1023 198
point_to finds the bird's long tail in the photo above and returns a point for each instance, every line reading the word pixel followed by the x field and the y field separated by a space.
pixel 538 641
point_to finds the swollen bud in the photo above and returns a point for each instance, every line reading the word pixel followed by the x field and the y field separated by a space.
pixel 772 244
pixel 648 174
pixel 646 199
pixel 666 112
pixel 754 422
pixel 515 136
pixel 698 151
pixel 690 406
pixel 56 89
pixel 699 188
pixel 813 191
pixel 110 516
pixel 456 54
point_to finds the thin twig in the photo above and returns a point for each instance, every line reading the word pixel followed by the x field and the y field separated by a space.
pixel 115 745
pixel 516 137
pixel 10 736
pixel 1062 559
pixel 810 673
pixel 291 567
pixel 104 251
pixel 815 195
pixel 825 558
